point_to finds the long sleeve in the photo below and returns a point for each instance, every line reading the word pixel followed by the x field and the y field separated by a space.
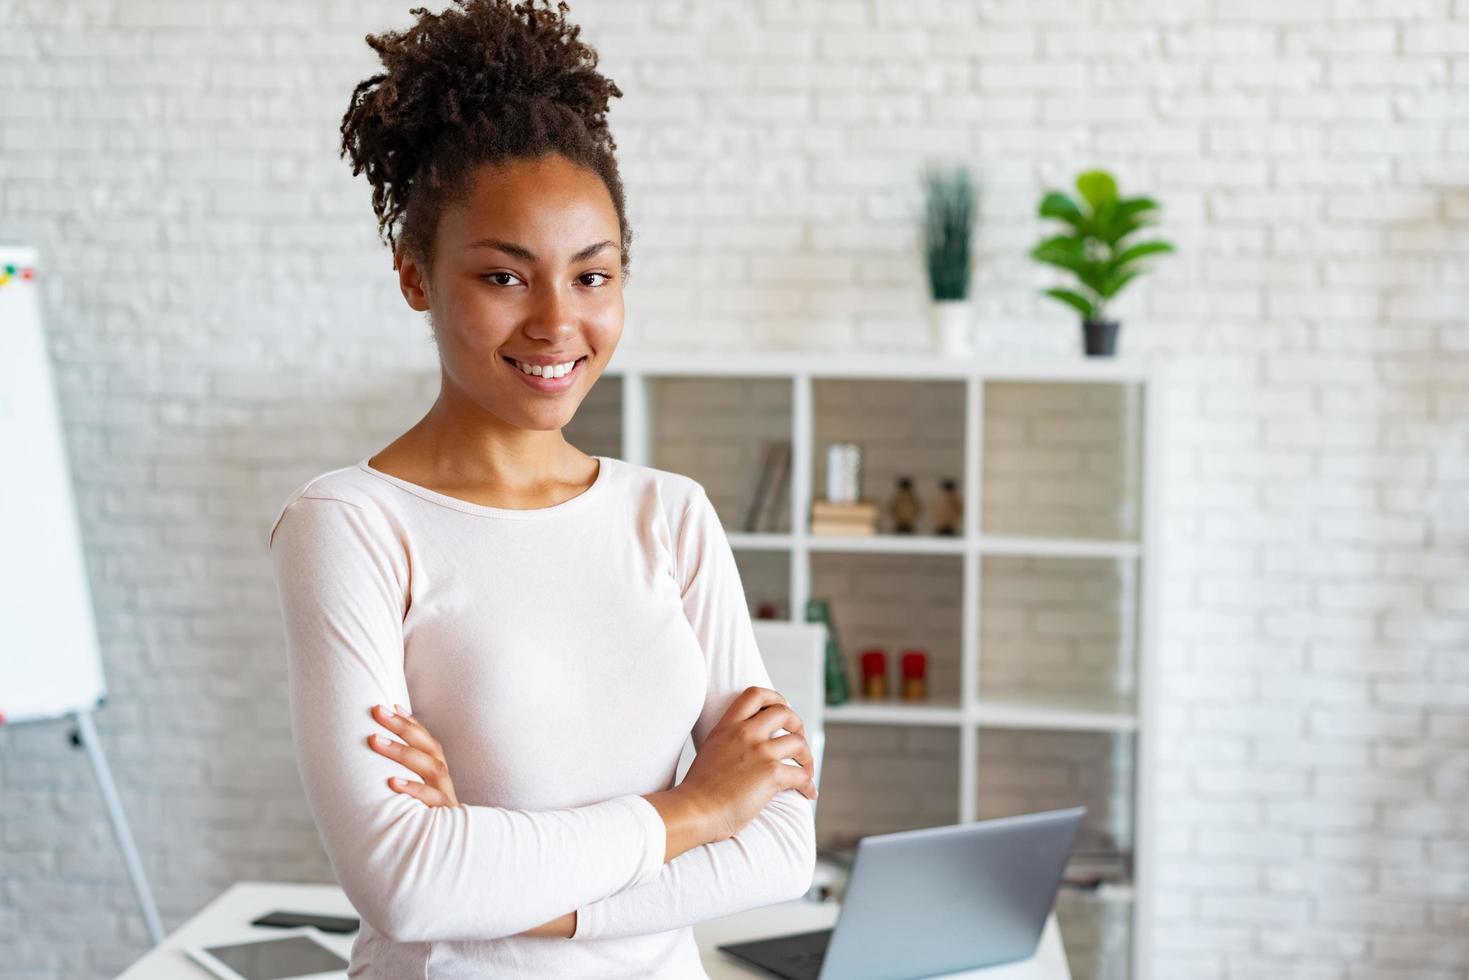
pixel 773 857
pixel 418 873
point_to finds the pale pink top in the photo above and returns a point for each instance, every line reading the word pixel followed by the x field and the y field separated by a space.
pixel 561 655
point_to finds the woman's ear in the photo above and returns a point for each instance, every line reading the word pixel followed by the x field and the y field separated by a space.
pixel 411 279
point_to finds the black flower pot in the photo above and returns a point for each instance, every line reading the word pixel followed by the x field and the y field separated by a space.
pixel 1100 337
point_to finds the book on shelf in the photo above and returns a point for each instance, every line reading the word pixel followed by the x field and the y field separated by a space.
pixel 842 529
pixel 778 501
pixel 764 510
pixel 856 518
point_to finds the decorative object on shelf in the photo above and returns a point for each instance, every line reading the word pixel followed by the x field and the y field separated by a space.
pixel 915 685
pixel 1095 250
pixel 875 673
pixel 948 510
pixel 843 472
pixel 764 511
pixel 904 507
pixel 949 213
pixel 768 610
pixel 843 511
pixel 837 692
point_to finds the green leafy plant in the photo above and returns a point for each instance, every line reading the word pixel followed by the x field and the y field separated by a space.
pixel 1097 249
pixel 949 212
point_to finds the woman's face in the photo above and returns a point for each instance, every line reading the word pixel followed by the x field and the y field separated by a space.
pixel 528 269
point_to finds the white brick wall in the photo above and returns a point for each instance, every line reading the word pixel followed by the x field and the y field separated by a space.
pixel 225 324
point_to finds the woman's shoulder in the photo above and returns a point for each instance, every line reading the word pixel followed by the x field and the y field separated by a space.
pixel 671 490
pixel 344 486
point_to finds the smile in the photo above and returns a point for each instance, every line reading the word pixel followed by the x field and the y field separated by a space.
pixel 549 382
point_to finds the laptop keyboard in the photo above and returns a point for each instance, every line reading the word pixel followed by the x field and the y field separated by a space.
pixel 795 957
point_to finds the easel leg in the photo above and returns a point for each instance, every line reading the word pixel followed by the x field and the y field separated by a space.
pixel 119 822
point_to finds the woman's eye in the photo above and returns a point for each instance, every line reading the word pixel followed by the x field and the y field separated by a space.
pixel 494 277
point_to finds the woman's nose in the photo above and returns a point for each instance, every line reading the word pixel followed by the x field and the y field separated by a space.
pixel 551 314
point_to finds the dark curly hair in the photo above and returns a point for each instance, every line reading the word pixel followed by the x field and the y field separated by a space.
pixel 483 84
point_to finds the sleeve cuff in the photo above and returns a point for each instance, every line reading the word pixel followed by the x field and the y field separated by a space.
pixel 587 921
pixel 655 838
pixel 654 844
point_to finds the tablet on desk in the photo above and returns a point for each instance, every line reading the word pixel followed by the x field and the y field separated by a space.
pixel 294 954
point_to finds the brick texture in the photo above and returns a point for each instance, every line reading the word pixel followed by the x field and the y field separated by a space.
pixel 225 324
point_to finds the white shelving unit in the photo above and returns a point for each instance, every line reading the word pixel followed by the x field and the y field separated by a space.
pixel 970 709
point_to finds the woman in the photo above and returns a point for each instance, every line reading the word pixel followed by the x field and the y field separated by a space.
pixel 556 623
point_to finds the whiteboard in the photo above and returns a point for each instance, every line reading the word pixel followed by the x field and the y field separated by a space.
pixel 49 661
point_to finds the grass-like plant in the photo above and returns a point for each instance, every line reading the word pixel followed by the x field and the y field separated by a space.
pixel 1097 249
pixel 949 211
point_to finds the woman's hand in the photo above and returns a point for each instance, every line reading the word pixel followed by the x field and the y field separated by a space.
pixel 419 751
pixel 423 754
pixel 740 767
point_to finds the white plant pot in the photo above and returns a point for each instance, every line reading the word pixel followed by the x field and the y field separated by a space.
pixel 952 322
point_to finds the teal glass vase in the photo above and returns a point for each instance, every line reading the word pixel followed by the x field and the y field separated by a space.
pixel 837 692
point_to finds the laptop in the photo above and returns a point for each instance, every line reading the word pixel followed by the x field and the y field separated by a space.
pixel 932 901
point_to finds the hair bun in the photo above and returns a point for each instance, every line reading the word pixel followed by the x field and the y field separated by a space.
pixel 480 81
pixel 490 58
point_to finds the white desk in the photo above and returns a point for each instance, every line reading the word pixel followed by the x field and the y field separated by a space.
pixel 231 912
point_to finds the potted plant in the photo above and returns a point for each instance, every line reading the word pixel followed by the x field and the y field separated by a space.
pixel 1097 250
pixel 949 213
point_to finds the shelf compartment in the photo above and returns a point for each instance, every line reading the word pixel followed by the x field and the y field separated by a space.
pixel 905 427
pixel 896 602
pixel 876 780
pixel 1061 460
pixel 715 430
pixel 1027 771
pixel 1057 642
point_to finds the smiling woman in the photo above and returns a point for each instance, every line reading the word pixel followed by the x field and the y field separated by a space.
pixel 549 627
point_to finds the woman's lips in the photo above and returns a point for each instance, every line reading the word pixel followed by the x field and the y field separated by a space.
pixel 549 385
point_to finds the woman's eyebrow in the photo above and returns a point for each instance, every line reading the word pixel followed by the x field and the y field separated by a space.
pixel 521 252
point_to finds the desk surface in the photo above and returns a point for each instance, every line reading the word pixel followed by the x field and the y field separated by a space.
pixel 229 915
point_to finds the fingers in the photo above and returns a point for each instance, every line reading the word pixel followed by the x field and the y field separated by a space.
pixel 799 777
pixel 419 750
pixel 425 765
pixel 419 791
pixel 792 747
pixel 407 727
pixel 749 701
pixel 774 716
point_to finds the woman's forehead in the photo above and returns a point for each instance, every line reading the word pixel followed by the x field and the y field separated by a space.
pixel 560 209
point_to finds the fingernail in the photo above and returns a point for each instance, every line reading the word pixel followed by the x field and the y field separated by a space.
pixel 385 710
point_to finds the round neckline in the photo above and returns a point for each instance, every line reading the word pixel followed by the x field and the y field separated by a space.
pixel 485 510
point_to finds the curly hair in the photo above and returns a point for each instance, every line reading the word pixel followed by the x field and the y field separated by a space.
pixel 483 84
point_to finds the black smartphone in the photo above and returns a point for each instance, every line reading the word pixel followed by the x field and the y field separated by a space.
pixel 326 923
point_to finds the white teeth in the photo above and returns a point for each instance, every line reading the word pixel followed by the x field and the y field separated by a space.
pixel 550 371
